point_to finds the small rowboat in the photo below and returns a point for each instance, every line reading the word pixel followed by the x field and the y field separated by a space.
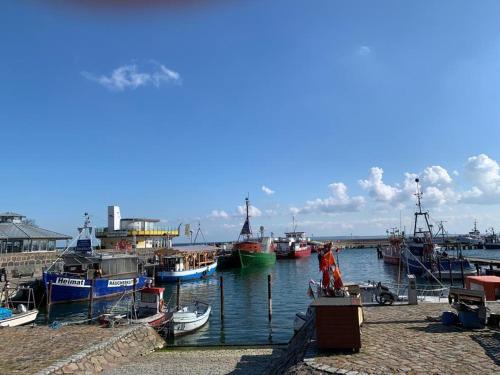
pixel 189 318
pixel 17 317
pixel 13 312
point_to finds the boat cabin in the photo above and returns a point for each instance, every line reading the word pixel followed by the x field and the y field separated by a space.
pixel 186 258
pixel 101 265
pixel 150 300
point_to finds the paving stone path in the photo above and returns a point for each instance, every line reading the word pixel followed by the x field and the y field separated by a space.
pixel 26 350
pixel 399 339
pixel 253 361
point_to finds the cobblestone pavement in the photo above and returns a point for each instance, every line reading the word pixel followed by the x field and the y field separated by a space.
pixel 26 350
pixel 399 339
pixel 254 361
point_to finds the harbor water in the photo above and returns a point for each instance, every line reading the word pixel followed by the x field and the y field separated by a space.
pixel 245 297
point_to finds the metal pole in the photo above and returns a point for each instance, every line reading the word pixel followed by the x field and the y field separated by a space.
pixel 221 298
pixel 134 286
pixel 477 269
pixel 178 294
pixel 462 272
pixel 451 273
pixel 439 268
pixel 269 298
pixel 91 300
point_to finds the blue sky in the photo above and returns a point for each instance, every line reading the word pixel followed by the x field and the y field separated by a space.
pixel 179 112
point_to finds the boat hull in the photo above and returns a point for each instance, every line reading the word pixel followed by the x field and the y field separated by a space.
pixel 302 253
pixel 183 325
pixel 491 246
pixel 256 259
pixel 67 289
pixel 194 274
pixel 155 321
pixel 391 259
pixel 19 319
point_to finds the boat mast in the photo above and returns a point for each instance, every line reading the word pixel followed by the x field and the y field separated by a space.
pixel 419 212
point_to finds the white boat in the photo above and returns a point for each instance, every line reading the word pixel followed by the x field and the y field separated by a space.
pixel 189 318
pixel 19 317
pixel 15 313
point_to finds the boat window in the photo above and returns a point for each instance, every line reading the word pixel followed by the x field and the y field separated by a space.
pixel 148 297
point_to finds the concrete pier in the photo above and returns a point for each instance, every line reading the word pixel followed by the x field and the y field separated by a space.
pixel 401 339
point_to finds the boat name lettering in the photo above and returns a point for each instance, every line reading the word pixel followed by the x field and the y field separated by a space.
pixel 114 283
pixel 80 283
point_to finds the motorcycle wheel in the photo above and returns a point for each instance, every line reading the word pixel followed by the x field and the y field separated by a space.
pixel 384 299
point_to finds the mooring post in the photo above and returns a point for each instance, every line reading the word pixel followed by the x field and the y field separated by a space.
pixel 91 300
pixel 439 268
pixel 134 287
pixel 491 268
pixel 49 299
pixel 477 269
pixel 221 298
pixel 451 273
pixel 462 272
pixel 178 294
pixel 269 298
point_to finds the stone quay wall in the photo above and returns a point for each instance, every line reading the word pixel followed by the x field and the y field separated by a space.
pixel 29 262
pixel 296 348
pixel 131 343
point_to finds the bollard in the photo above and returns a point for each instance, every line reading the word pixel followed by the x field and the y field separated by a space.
pixel 49 300
pixel 91 301
pixel 269 298
pixel 178 302
pixel 221 298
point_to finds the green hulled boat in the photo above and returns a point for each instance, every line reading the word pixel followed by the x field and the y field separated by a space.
pixel 254 252
pixel 256 259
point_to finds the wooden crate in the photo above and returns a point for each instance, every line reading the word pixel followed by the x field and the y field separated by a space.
pixel 338 322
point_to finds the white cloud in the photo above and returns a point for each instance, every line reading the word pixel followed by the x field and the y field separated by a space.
pixel 252 211
pixel 377 189
pixel 219 214
pixel 339 201
pixel 129 77
pixel 364 50
pixel 267 190
pixel 436 175
pixel 484 173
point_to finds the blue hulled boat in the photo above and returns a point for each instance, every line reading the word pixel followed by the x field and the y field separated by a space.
pixel 80 270
pixel 186 263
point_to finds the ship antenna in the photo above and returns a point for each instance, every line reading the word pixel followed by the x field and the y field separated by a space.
pixel 418 194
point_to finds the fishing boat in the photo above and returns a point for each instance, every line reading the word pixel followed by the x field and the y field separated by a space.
pixel 15 312
pixel 293 245
pixel 491 240
pixel 185 263
pixel 189 318
pixel 420 255
pixel 472 238
pixel 81 270
pixel 254 252
pixel 392 253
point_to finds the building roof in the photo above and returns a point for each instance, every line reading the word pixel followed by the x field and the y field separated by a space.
pixel 10 214
pixel 26 231
pixel 141 219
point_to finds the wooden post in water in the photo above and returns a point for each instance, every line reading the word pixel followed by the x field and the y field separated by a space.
pixel 269 298
pixel 477 269
pixel 91 301
pixel 134 287
pixel 221 298
pixel 178 304
pixel 462 272
pixel 49 300
pixel 491 268
pixel 439 268
pixel 451 273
